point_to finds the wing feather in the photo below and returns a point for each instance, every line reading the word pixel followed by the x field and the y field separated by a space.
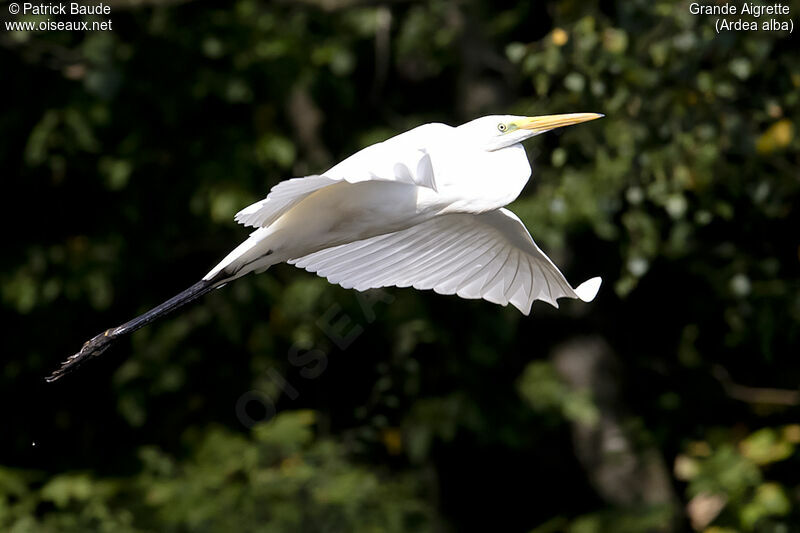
pixel 402 158
pixel 490 256
pixel 281 198
pixel 447 275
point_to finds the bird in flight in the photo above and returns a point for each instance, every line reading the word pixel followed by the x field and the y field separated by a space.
pixel 424 209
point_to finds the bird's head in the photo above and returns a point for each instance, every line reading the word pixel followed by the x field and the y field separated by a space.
pixel 499 131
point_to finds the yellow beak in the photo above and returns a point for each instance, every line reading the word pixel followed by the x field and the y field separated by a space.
pixel 551 122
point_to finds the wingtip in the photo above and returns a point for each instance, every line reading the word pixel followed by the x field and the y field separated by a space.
pixel 587 290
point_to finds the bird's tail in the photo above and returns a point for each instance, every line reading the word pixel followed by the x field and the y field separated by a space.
pixel 98 344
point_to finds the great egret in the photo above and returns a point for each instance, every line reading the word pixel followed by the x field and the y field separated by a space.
pixel 423 209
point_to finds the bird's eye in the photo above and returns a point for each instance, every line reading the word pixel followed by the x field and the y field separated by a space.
pixel 502 127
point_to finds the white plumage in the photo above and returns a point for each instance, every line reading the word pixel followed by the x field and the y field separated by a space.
pixel 490 256
pixel 423 209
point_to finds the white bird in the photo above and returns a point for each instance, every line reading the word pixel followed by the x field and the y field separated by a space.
pixel 424 209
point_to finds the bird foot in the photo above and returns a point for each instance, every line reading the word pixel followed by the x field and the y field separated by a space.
pixel 91 348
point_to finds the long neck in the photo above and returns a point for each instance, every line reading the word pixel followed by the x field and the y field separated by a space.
pixel 480 181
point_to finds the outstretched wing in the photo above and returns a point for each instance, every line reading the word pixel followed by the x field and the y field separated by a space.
pixel 490 256
pixel 281 198
pixel 402 158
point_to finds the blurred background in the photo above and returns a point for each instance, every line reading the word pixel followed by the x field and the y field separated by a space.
pixel 283 403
